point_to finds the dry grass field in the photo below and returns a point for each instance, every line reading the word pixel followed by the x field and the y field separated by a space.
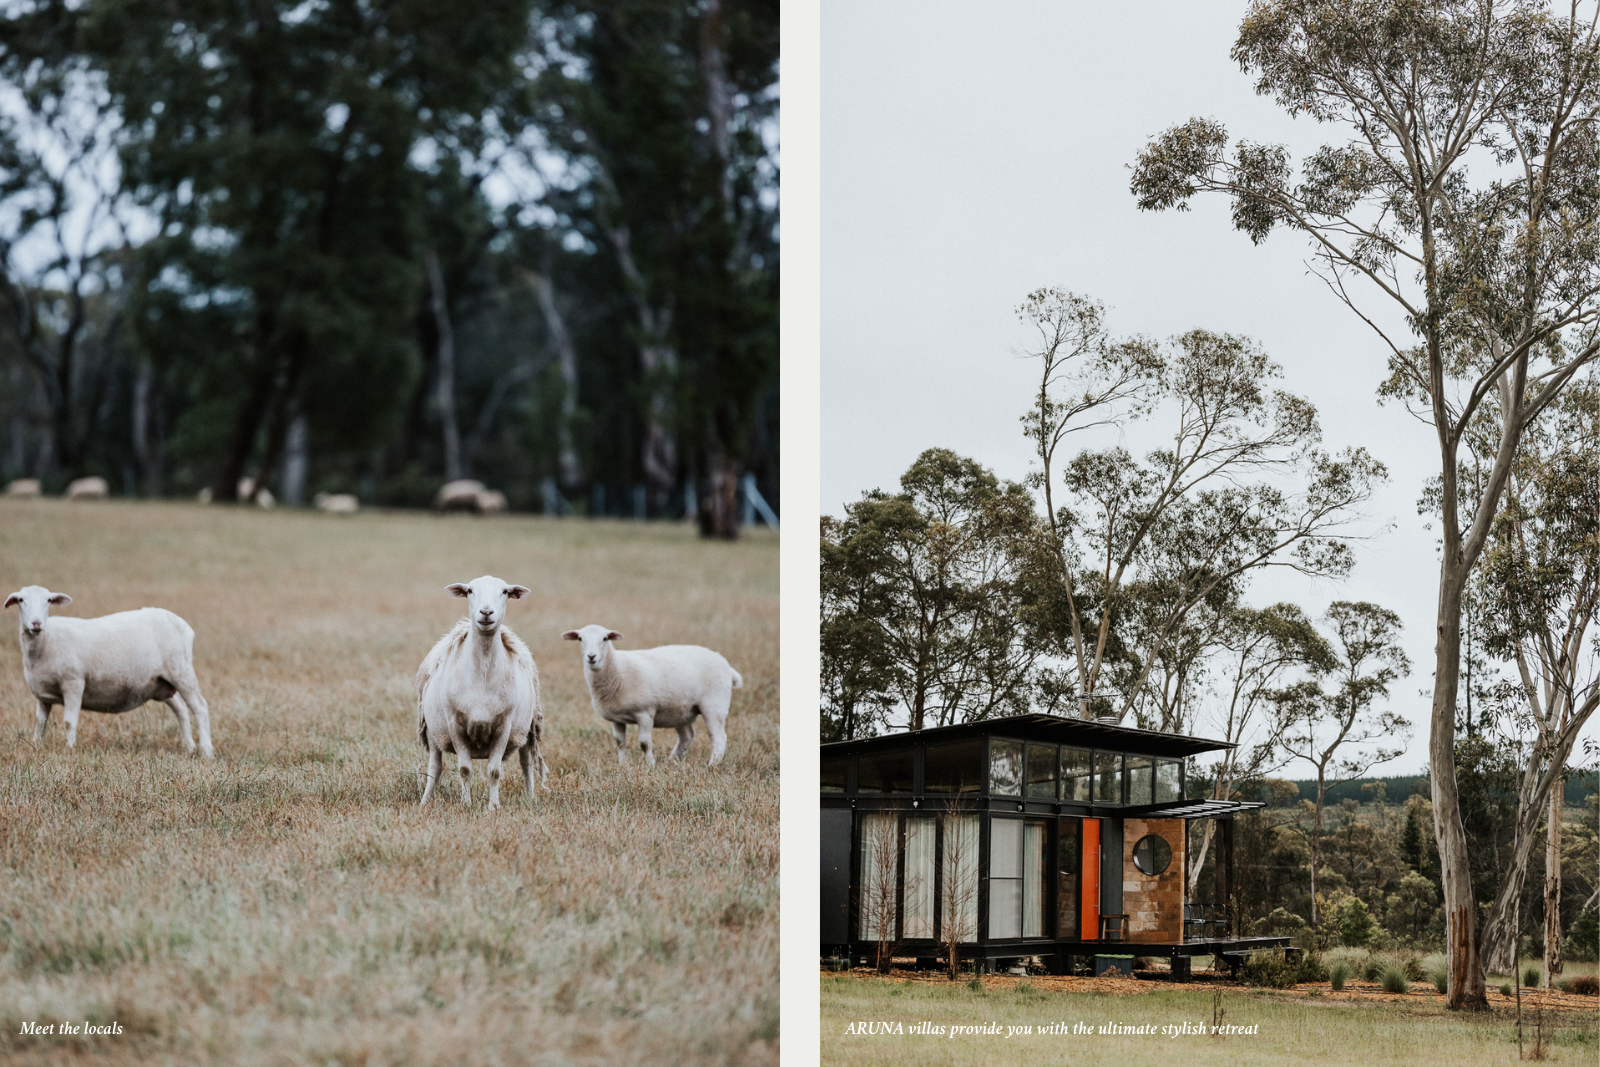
pixel 1290 1027
pixel 290 903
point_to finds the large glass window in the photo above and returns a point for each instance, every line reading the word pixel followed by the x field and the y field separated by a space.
pixel 885 772
pixel 1042 771
pixel 1141 780
pixel 1169 780
pixel 833 772
pixel 917 890
pixel 1016 878
pixel 880 861
pixel 1108 777
pixel 958 878
pixel 1069 850
pixel 953 768
pixel 1005 768
pixel 1075 774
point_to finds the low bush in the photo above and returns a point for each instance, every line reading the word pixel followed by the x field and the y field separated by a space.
pixel 1271 969
pixel 1311 968
pixel 1441 980
pixel 1582 983
pixel 1408 963
pixel 1393 979
pixel 1505 989
pixel 1530 977
pixel 1337 974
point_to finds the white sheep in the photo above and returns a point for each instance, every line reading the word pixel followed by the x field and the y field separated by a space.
pixel 93 487
pixel 650 687
pixel 478 693
pixel 111 664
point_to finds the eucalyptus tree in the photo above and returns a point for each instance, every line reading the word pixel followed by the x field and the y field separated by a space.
pixel 1341 732
pixel 1539 584
pixel 1238 486
pixel 1462 201
pixel 859 673
pixel 939 614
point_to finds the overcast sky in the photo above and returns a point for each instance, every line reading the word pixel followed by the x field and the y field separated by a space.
pixel 968 160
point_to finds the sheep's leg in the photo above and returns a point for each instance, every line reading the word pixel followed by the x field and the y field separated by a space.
pixel 189 689
pixel 496 757
pixel 463 760
pixel 435 769
pixel 716 722
pixel 42 720
pixel 72 703
pixel 647 723
pixel 620 732
pixel 685 739
pixel 180 711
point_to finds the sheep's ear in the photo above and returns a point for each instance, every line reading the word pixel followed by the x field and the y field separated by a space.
pixel 457 589
pixel 60 600
pixel 570 635
pixel 517 592
pixel 613 636
pixel 14 598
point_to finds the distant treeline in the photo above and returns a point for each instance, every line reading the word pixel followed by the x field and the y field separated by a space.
pixel 370 247
pixel 1396 789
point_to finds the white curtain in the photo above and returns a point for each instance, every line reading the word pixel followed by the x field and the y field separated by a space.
pixel 1005 878
pixel 1033 880
pixel 917 903
pixel 878 861
pixel 958 878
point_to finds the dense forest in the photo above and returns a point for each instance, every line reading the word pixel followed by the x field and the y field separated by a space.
pixel 329 246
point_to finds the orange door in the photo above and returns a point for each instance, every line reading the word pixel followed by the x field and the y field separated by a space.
pixel 1091 880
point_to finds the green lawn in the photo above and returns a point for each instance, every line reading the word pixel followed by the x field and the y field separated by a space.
pixel 1288 1030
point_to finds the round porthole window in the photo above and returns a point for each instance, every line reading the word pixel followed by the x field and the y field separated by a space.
pixel 1152 854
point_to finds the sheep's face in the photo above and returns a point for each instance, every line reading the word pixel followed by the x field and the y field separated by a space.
pixel 486 600
pixel 596 645
pixel 33 606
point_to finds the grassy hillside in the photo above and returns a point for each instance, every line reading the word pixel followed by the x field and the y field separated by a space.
pixel 290 903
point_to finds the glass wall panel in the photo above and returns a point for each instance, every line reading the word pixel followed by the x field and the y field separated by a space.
pixel 1141 780
pixel 833 772
pixel 1108 777
pixel 917 896
pixel 1069 854
pixel 880 858
pixel 953 768
pixel 1005 878
pixel 958 878
pixel 1169 781
pixel 1033 868
pixel 885 772
pixel 1042 771
pixel 1075 774
pixel 1005 768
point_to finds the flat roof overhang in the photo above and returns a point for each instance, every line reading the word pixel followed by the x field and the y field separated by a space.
pixel 1054 729
pixel 1190 809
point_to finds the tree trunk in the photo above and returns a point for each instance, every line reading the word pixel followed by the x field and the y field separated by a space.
pixel 1316 850
pixel 1497 939
pixel 1552 888
pixel 1466 983
pixel 719 498
pixel 445 391
pixel 568 469
pixel 246 425
pixel 278 425
pixel 144 445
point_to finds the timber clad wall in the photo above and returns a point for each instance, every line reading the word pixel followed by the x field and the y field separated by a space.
pixel 1153 904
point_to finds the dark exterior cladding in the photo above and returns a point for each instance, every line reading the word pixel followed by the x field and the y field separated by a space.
pixel 1048 728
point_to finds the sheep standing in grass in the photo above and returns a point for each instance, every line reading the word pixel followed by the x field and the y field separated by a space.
pixel 111 664
pixel 650 687
pixel 478 693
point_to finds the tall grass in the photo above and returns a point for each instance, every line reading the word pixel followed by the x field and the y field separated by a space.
pixel 290 902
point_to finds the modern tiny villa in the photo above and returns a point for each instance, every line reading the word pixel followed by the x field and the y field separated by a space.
pixel 1025 836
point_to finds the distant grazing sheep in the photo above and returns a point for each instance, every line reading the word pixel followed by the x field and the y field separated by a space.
pixel 91 488
pixel 467 494
pixel 23 487
pixel 111 664
pixel 666 686
pixel 336 503
pixel 478 693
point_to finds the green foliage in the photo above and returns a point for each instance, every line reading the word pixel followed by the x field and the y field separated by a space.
pixel 1355 925
pixel 1583 938
pixel 1441 980
pixel 1311 968
pixel 1393 979
pixel 1530 977
pixel 1271 969
pixel 1505 989
pixel 1338 974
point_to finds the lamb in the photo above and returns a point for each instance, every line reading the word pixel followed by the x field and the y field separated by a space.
pixel 478 693
pixel 111 664
pixel 666 686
